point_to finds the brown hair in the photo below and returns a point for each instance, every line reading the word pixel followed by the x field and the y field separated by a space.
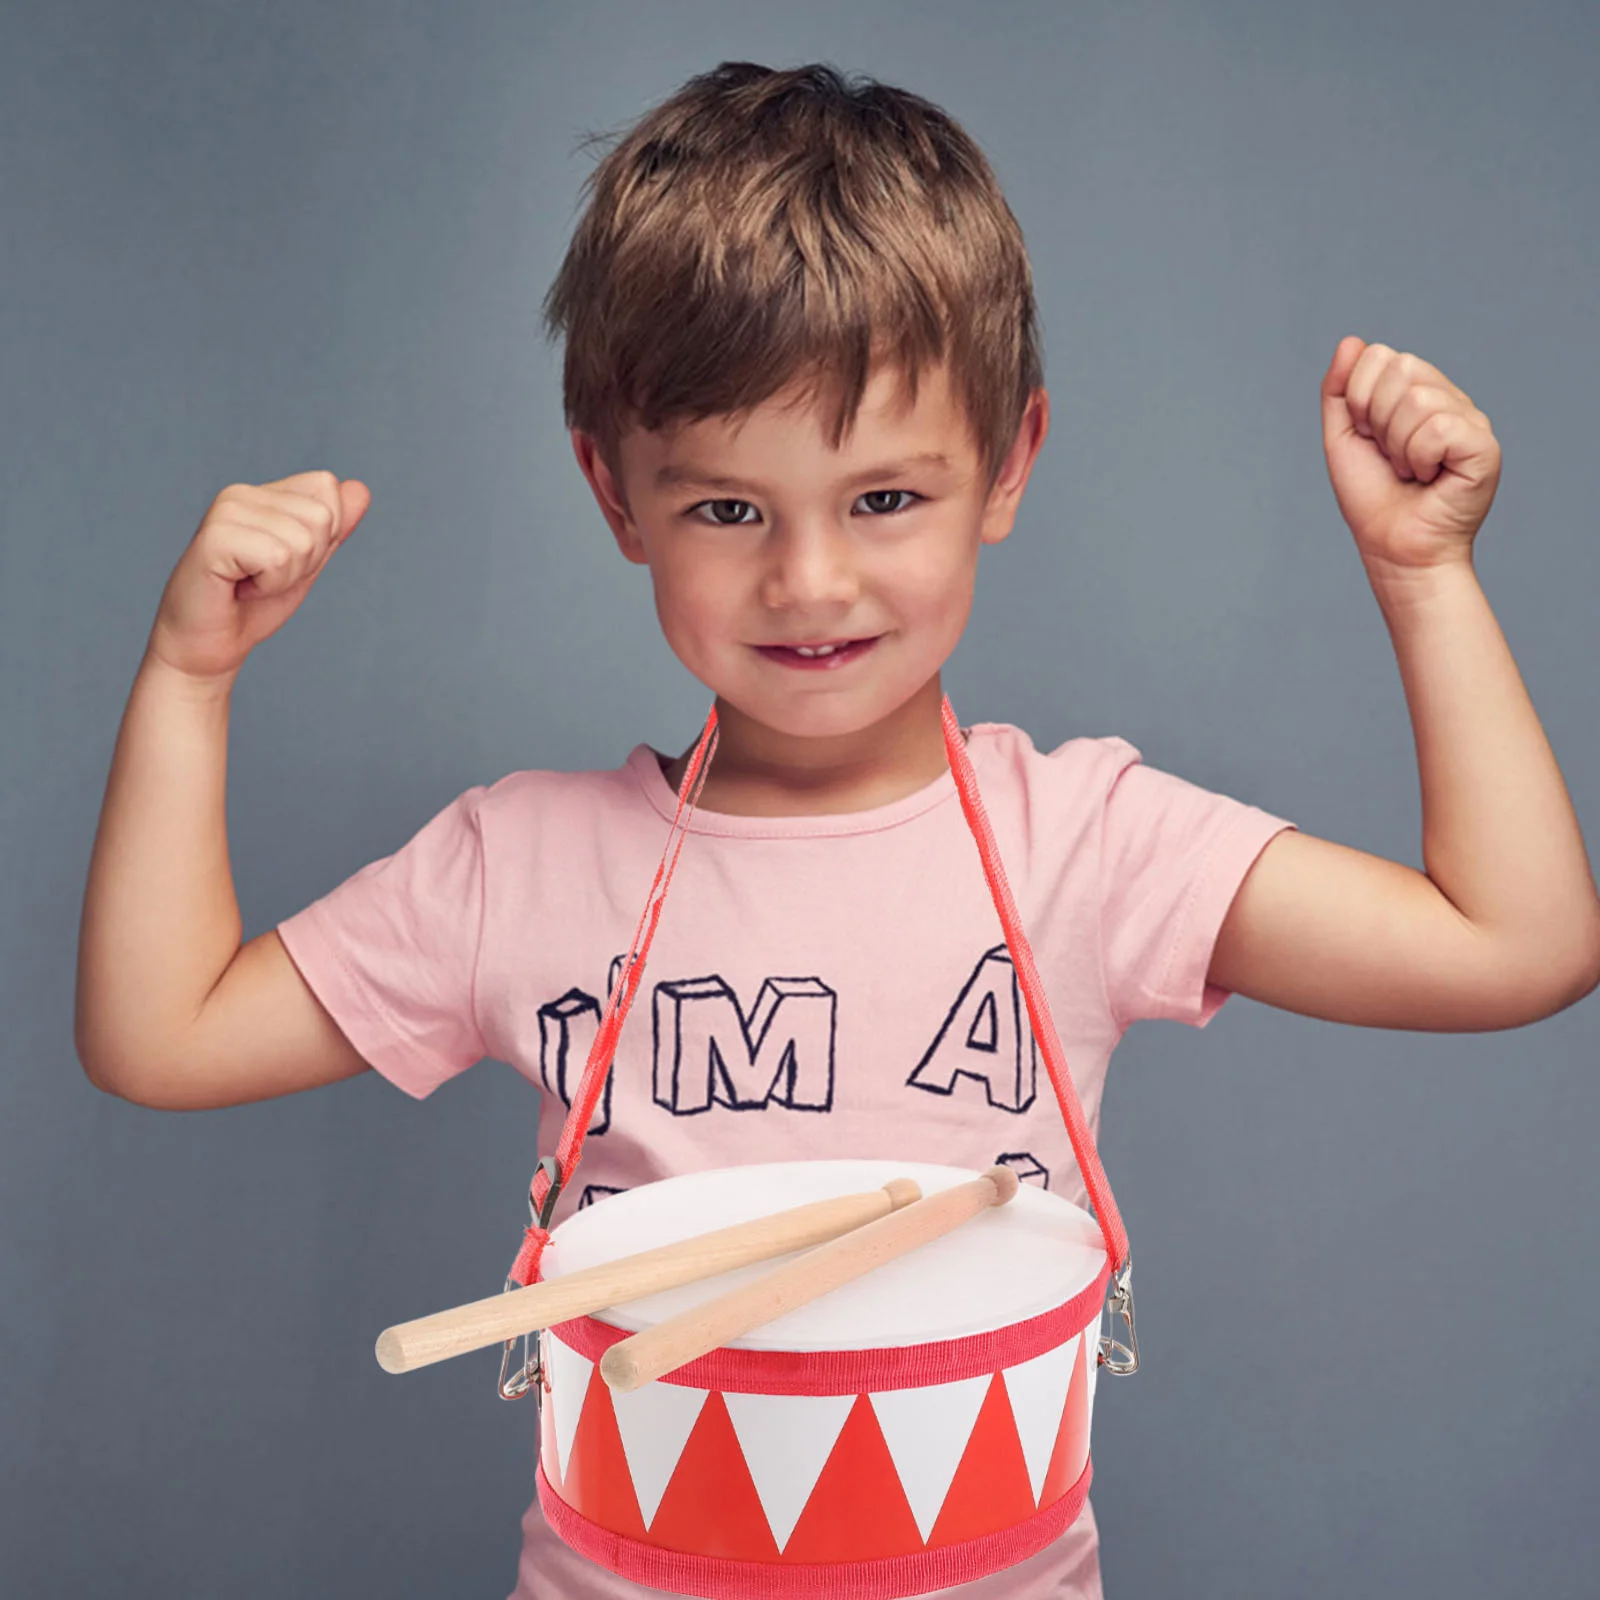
pixel 761 228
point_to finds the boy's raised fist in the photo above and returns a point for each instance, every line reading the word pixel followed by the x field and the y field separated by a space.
pixel 252 561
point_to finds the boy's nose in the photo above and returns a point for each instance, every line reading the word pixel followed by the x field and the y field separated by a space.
pixel 809 565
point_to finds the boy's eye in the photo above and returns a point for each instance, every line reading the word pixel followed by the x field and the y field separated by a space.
pixel 888 494
pixel 730 513
pixel 725 513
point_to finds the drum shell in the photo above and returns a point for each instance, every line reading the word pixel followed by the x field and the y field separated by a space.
pixel 866 1469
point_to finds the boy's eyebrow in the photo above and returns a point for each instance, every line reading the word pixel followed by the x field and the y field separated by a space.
pixel 682 474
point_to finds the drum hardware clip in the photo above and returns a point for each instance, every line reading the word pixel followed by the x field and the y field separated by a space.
pixel 1117 1358
pixel 531 1373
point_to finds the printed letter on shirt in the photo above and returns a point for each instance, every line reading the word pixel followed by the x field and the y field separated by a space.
pixel 985 1037
pixel 1027 1166
pixel 566 1031
pixel 567 1028
pixel 706 1050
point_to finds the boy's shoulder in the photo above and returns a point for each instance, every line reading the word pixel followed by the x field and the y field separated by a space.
pixel 586 791
pixel 1005 746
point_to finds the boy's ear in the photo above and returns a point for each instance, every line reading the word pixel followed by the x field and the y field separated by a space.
pixel 608 496
pixel 1000 511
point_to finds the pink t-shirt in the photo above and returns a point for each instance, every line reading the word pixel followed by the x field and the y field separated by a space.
pixel 819 986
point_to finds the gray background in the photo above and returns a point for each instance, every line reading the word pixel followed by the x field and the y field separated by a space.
pixel 244 241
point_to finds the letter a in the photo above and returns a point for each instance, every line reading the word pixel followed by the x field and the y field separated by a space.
pixel 986 1037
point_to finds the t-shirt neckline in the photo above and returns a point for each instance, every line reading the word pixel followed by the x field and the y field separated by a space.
pixel 645 766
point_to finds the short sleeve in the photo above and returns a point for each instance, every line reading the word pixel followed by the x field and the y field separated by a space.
pixel 392 952
pixel 1172 858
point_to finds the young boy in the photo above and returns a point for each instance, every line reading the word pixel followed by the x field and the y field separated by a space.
pixel 803 382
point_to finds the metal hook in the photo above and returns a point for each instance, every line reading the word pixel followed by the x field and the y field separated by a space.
pixel 530 1375
pixel 1121 1360
pixel 552 1168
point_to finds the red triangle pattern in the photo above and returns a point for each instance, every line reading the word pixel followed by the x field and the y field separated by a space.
pixel 549 1456
pixel 711 1507
pixel 1071 1451
pixel 990 1490
pixel 857 1511
pixel 598 1484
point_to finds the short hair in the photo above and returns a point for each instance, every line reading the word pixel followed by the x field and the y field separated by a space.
pixel 762 228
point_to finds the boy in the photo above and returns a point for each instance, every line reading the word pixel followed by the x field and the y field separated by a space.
pixel 803 381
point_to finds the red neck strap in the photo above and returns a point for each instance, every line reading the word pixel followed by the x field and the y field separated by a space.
pixel 547 1183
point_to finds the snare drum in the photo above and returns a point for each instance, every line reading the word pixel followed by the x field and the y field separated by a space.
pixel 920 1427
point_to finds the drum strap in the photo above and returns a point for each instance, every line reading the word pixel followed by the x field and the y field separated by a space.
pixel 547 1184
pixel 555 1173
pixel 1044 1027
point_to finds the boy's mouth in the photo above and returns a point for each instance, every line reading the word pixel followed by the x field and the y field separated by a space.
pixel 824 656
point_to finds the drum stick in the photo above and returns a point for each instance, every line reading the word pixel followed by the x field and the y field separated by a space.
pixel 680 1339
pixel 409 1345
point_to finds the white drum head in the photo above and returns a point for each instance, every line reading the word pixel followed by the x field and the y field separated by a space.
pixel 1015 1261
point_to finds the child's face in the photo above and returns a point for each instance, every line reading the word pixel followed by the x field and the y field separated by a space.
pixel 761 540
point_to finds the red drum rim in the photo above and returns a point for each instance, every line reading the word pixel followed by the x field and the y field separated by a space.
pixel 880 1578
pixel 910 1366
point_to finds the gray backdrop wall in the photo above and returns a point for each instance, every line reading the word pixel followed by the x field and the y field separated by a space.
pixel 240 242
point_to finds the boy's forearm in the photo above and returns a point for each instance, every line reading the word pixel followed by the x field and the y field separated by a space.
pixel 160 919
pixel 1499 835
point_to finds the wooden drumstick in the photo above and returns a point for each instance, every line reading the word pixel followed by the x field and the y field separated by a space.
pixel 680 1339
pixel 409 1345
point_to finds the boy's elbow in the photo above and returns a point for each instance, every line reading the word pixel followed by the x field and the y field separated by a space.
pixel 1581 985
pixel 152 1091
pixel 1589 974
pixel 1563 982
pixel 96 1065
pixel 114 1072
pixel 107 1074
pixel 1586 975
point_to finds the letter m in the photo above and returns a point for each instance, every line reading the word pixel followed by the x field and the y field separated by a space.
pixel 707 1050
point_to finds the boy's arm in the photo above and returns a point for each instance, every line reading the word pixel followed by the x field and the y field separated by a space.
pixel 1503 927
pixel 171 1012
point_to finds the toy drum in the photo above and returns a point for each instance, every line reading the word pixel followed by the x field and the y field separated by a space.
pixel 919 1427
